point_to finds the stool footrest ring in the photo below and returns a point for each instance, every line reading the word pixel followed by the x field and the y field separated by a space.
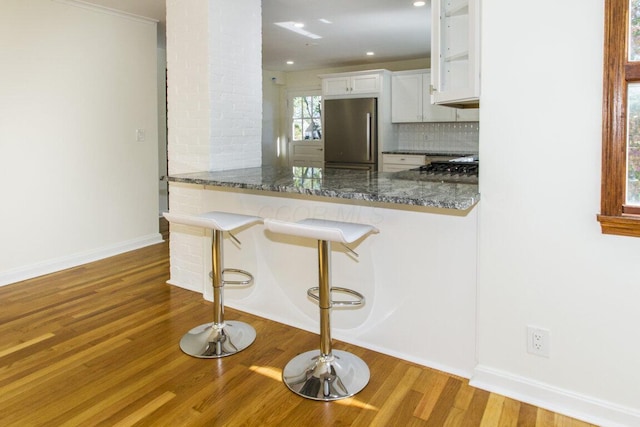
pixel 248 275
pixel 313 293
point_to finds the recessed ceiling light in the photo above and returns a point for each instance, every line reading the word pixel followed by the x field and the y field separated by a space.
pixel 370 53
pixel 289 62
pixel 419 3
pixel 293 26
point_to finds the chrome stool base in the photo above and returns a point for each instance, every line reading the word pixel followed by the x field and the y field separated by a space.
pixel 333 377
pixel 211 341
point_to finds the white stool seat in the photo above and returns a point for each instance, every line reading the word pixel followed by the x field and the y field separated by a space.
pixel 214 220
pixel 321 229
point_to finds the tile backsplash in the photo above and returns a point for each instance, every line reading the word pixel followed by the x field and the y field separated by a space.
pixel 447 137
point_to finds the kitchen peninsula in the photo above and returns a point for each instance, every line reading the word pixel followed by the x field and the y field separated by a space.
pixel 409 188
pixel 418 274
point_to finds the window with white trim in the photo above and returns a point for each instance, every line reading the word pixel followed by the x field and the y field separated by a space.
pixel 306 118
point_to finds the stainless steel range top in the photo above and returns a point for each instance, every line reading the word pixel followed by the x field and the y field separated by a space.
pixel 465 171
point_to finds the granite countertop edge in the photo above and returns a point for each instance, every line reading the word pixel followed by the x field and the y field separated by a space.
pixel 389 190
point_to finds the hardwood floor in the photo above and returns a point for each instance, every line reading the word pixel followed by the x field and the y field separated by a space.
pixel 98 345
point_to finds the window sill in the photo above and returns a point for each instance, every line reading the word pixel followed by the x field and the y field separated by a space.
pixel 620 225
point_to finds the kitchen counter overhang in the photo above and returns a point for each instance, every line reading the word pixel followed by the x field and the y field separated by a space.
pixel 407 188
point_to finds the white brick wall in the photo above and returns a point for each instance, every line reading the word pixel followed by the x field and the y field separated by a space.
pixel 188 245
pixel 188 86
pixel 188 110
pixel 236 83
pixel 214 110
pixel 214 60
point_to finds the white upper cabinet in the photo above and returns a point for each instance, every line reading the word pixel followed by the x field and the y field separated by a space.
pixel 406 98
pixel 455 52
pixel 360 84
pixel 411 101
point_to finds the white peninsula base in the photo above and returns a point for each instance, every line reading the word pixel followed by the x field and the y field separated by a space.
pixel 418 274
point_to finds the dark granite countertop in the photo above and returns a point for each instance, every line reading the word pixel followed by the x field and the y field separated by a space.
pixel 405 188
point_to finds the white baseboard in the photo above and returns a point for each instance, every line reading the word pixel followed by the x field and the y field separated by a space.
pixel 62 263
pixel 180 285
pixel 589 409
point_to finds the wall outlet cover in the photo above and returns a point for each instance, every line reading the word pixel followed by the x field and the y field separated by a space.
pixel 538 341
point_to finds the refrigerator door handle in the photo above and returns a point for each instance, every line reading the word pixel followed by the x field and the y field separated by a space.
pixel 369 135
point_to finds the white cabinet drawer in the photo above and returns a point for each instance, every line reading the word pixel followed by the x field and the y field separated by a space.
pixel 405 159
pixel 399 162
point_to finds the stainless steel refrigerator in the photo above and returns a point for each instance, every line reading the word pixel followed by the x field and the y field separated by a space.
pixel 351 133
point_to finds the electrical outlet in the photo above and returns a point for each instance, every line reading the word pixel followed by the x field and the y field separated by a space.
pixel 538 341
pixel 141 135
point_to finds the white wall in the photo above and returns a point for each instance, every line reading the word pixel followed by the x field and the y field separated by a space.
pixel 188 99
pixel 214 85
pixel 163 187
pixel 272 131
pixel 542 258
pixel 75 85
pixel 235 65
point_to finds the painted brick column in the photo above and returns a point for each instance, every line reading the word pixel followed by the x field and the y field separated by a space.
pixel 214 110
pixel 188 94
pixel 235 63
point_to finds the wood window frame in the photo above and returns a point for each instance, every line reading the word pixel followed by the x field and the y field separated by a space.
pixel 615 217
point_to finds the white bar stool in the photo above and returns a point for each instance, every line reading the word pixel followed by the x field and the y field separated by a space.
pixel 219 338
pixel 326 374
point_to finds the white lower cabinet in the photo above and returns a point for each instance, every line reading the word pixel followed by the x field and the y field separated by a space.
pixel 401 162
pixel 306 153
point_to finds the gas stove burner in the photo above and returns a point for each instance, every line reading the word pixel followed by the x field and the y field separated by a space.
pixel 451 168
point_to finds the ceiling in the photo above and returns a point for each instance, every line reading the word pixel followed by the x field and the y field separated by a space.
pixel 393 29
